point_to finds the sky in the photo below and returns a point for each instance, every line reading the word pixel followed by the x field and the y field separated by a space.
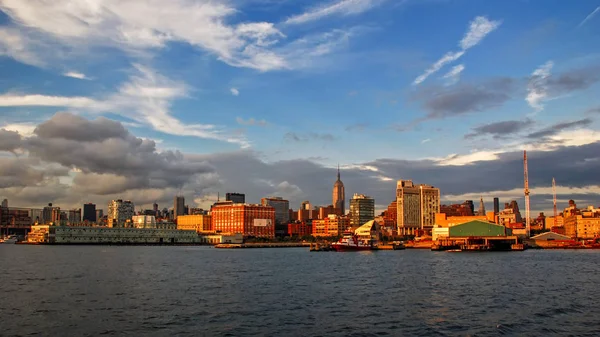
pixel 147 99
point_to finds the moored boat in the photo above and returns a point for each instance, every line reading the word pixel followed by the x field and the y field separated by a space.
pixel 9 239
pixel 350 242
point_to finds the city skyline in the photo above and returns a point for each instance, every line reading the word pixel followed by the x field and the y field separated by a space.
pixel 445 93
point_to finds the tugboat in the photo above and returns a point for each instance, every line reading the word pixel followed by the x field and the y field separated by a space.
pixel 350 242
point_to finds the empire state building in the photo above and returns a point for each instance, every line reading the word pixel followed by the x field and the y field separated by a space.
pixel 339 194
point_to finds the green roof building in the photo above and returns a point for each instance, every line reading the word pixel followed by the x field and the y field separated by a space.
pixel 478 228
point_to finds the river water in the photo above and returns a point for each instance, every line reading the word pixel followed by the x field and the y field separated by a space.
pixel 202 291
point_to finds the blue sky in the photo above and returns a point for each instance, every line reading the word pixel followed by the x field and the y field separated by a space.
pixel 331 81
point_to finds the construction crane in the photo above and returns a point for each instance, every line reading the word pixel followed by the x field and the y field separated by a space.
pixel 554 200
pixel 526 174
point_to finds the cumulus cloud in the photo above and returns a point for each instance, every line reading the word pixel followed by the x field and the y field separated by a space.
pixel 234 91
pixel 479 28
pixel 9 140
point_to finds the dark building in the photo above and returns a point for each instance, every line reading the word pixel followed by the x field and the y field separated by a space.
pixel 236 198
pixel 471 205
pixel 178 206
pixel 496 205
pixel 362 209
pixel 89 213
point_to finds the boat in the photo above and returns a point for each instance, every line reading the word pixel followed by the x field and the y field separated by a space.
pixel 9 239
pixel 350 242
pixel 454 250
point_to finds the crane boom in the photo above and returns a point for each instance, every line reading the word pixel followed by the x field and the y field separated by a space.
pixel 554 201
pixel 526 190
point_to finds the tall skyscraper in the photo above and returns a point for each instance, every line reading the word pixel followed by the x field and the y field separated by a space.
pixel 236 198
pixel 155 209
pixel 471 205
pixel 416 206
pixel 282 208
pixel 119 211
pixel 481 211
pixel 178 206
pixel 362 209
pixel 89 213
pixel 339 194
pixel 5 203
pixel 496 206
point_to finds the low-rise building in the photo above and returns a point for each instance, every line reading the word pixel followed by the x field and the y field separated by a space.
pixel 299 229
pixel 249 219
pixel 218 238
pixel 581 226
pixel 199 223
pixel 48 234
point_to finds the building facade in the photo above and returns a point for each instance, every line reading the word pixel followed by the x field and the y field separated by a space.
pixel 248 219
pixel 339 195
pixel 119 212
pixel 416 206
pixel 89 213
pixel 510 214
pixel 333 225
pixel 281 206
pixel 236 198
pixel 198 222
pixel 585 224
pixel 463 209
pixel 178 206
pixel 362 209
pixel 299 229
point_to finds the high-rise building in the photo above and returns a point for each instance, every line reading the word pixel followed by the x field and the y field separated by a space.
pixel 89 213
pixel 50 214
pixel 326 210
pixel 236 198
pixel 305 205
pixel 74 216
pixel 119 212
pixel 481 211
pixel 362 209
pixel 99 214
pixel 390 216
pixel 282 208
pixel 178 206
pixel 510 214
pixel 250 220
pixel 408 199
pixel 5 203
pixel 496 206
pixel 155 209
pixel 339 195
pixel 416 206
pixel 430 205
pixel 333 225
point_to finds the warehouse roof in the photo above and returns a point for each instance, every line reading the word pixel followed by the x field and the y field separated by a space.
pixel 550 236
pixel 479 228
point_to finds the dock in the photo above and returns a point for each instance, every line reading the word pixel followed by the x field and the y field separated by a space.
pixel 263 245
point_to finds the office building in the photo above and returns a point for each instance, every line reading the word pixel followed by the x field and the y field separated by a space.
pixel 178 206
pixel 282 208
pixel 416 206
pixel 463 209
pixel 362 209
pixel 120 213
pixel 249 220
pixel 510 214
pixel 584 224
pixel 236 198
pixel 471 205
pixel 496 206
pixel 89 213
pixel 99 214
pixel 339 195
pixel 481 211
pixel 50 214
pixel 4 203
pixel 74 216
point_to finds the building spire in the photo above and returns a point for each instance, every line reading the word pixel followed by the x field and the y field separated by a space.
pixel 481 207
pixel 338 172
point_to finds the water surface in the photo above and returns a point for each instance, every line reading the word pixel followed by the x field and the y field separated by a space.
pixel 201 291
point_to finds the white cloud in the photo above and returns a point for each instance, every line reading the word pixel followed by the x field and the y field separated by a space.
pixel 77 75
pixel 454 74
pixel 425 141
pixel 24 129
pixel 479 28
pixel 590 16
pixel 146 97
pixel 42 100
pixel 234 91
pixel 251 121
pixel 15 44
pixel 133 27
pixel 537 86
pixel 460 160
pixel 359 167
pixel 343 7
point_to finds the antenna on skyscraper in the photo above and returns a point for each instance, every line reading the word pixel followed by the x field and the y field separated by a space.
pixel 526 190
pixel 554 202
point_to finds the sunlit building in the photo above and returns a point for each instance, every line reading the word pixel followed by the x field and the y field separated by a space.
pixel 281 206
pixel 119 212
pixel 416 206
pixel 333 225
pixel 339 195
pixel 198 222
pixel 362 209
pixel 248 219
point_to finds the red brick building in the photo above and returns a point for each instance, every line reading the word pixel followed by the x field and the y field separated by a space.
pixel 250 220
pixel 456 210
pixel 330 226
pixel 299 229
pixel 390 215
